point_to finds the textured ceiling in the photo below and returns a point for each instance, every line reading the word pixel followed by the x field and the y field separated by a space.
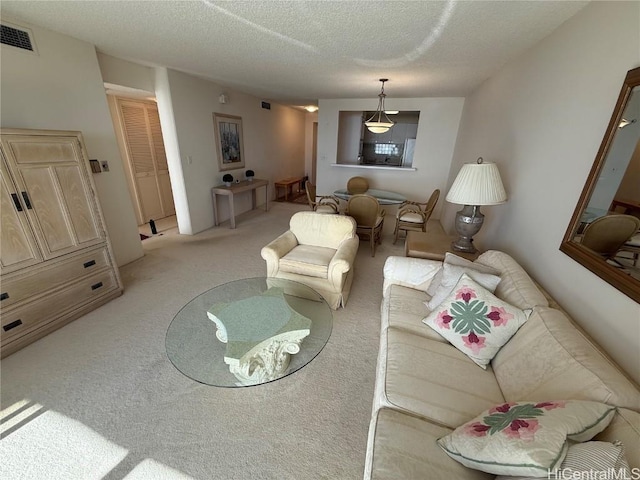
pixel 296 52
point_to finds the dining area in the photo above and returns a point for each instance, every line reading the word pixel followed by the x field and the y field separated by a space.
pixel 368 206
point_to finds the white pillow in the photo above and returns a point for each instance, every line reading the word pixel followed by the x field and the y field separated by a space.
pixel 475 321
pixel 450 276
pixel 452 259
pixel 525 438
pixel 601 460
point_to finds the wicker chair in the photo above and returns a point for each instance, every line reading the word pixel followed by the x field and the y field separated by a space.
pixel 321 203
pixel 357 185
pixel 414 215
pixel 369 218
pixel 606 235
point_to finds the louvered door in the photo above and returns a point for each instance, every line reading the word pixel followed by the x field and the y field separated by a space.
pixel 147 159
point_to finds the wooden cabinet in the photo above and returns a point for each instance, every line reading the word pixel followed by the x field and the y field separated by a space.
pixel 56 261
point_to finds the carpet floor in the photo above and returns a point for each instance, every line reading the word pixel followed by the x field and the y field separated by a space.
pixel 99 399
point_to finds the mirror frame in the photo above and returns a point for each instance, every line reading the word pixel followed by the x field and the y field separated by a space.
pixel 587 258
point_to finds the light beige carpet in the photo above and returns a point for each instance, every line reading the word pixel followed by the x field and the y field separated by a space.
pixel 102 388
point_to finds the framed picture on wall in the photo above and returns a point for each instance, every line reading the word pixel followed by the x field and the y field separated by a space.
pixel 228 131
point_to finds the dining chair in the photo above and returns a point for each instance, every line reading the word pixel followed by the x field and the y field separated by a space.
pixel 415 215
pixel 607 234
pixel 369 218
pixel 356 185
pixel 321 203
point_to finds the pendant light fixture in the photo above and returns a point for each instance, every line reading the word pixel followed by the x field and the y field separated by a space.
pixel 379 122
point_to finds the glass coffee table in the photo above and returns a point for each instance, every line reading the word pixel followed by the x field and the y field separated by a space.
pixel 249 332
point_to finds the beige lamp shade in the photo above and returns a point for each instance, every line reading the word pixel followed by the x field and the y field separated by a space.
pixel 477 184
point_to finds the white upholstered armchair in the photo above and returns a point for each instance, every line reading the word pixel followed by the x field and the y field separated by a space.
pixel 319 251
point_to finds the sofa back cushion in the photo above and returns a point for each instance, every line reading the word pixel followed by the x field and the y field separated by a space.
pixel 516 286
pixel 321 230
pixel 549 358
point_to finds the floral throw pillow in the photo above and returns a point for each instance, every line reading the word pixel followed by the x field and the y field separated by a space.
pixel 475 321
pixel 525 438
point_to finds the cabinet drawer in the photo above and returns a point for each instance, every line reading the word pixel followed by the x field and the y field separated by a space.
pixel 22 286
pixel 22 320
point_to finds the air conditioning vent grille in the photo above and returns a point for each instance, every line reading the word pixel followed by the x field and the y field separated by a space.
pixel 15 38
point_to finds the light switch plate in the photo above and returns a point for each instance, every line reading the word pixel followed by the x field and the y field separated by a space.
pixel 105 166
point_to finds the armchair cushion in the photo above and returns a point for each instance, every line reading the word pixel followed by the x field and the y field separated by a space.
pixel 308 260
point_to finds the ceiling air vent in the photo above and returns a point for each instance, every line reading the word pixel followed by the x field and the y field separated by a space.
pixel 15 37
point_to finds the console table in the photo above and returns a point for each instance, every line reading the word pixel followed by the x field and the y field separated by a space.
pixel 240 187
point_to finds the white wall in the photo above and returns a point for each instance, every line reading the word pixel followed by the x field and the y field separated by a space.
pixel 274 144
pixel 61 89
pixel 310 120
pixel 121 72
pixel 437 132
pixel 541 119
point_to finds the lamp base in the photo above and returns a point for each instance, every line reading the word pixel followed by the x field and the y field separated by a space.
pixel 468 222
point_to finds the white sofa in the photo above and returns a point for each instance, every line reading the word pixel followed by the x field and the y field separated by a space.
pixel 318 250
pixel 425 387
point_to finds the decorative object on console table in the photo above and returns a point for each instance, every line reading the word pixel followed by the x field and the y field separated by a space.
pixel 476 184
pixel 227 178
pixel 250 174
pixel 228 131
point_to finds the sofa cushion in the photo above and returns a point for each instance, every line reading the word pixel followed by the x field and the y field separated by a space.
pixel 550 358
pixel 435 380
pixel 308 260
pixel 475 321
pixel 525 438
pixel 516 286
pixel 404 447
pixel 405 309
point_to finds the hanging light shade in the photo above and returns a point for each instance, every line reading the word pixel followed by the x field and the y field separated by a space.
pixel 379 122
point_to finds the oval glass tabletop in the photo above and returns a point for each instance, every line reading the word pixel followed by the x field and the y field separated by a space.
pixel 248 332
pixel 384 197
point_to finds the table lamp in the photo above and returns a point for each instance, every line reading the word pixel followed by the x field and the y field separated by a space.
pixel 476 184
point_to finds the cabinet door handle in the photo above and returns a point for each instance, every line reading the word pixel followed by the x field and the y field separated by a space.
pixel 96 286
pixel 90 263
pixel 11 325
pixel 4 296
pixel 16 202
pixel 27 202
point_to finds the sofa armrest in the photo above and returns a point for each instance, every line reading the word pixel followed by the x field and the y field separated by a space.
pixel 276 249
pixel 409 272
pixel 343 260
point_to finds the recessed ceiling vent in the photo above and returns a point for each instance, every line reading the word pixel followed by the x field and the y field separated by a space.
pixel 16 37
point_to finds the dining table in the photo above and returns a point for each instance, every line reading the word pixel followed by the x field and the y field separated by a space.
pixel 384 197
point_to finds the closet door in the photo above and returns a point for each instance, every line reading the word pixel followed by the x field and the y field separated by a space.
pixel 162 168
pixel 19 248
pixel 147 158
pixel 53 182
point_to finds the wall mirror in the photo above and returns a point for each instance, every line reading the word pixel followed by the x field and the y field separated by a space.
pixel 612 188
pixel 393 148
